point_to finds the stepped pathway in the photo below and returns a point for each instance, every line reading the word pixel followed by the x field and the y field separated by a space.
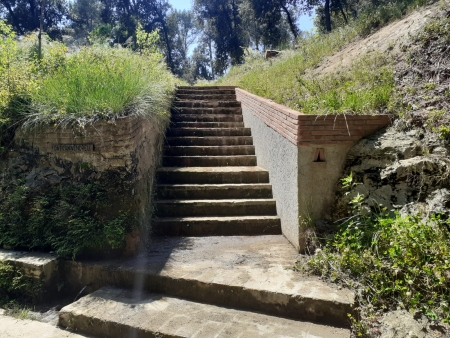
pixel 209 183
pixel 218 265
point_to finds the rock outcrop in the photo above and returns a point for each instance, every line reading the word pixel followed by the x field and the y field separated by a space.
pixel 404 171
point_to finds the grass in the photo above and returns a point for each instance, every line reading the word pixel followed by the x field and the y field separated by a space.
pixel 367 87
pixel 277 79
pixel 102 83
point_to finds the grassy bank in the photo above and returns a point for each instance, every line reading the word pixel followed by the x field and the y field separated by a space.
pixel 367 86
pixel 96 82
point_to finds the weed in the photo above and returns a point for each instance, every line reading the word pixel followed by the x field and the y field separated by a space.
pixel 429 86
pixel 393 261
pixel 444 133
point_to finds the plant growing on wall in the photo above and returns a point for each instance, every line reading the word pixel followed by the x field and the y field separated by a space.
pixel 66 219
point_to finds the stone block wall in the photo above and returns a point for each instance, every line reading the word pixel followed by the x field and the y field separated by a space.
pixel 305 156
pixel 122 155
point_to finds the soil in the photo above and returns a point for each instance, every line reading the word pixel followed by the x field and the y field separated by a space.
pixel 388 39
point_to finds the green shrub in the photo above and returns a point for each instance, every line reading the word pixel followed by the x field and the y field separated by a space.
pixel 16 82
pixel 392 261
pixel 67 219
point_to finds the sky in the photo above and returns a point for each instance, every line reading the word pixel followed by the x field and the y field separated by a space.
pixel 305 21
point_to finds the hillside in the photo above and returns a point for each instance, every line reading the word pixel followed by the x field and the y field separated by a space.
pixel 342 72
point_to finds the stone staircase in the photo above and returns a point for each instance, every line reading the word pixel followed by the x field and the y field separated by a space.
pixel 209 184
pixel 218 265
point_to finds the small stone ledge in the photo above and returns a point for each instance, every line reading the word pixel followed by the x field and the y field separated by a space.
pixel 41 267
pixel 301 129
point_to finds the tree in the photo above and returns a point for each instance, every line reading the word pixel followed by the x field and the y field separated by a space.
pixel 222 17
pixel 274 19
pixel 85 15
pixel 24 15
pixel 125 15
pixel 182 35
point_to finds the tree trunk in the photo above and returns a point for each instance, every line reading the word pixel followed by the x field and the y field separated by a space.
pixel 211 61
pixel 167 42
pixel 343 13
pixel 41 28
pixel 290 21
pixel 327 15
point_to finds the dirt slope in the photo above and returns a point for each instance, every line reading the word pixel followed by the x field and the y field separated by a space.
pixel 389 39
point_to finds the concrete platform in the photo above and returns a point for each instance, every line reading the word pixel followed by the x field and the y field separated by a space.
pixel 23 328
pixel 247 273
pixel 116 313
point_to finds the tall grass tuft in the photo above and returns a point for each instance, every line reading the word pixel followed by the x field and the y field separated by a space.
pixel 102 83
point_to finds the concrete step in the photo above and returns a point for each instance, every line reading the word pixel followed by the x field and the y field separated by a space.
pixel 207 125
pixel 200 88
pixel 206 97
pixel 205 132
pixel 209 151
pixel 207 118
pixel 212 175
pixel 117 313
pixel 209 141
pixel 213 191
pixel 207 111
pixel 200 208
pixel 251 273
pixel 209 161
pixel 206 104
pixel 217 226
pixel 206 91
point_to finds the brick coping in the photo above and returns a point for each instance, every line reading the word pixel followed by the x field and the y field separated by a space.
pixel 302 129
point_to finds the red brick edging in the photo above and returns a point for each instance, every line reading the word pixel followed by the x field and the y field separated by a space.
pixel 302 129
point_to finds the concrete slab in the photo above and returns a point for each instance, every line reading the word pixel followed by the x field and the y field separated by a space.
pixel 115 313
pixel 250 273
pixel 18 328
pixel 35 264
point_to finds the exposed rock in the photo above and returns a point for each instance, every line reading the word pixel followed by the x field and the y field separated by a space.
pixel 439 203
pixel 40 177
pixel 405 171
pixel 401 324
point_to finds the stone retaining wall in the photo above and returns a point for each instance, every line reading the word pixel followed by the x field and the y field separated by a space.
pixel 305 155
pixel 122 155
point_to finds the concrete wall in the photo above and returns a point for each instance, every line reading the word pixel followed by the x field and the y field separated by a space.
pixel 305 156
pixel 280 157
